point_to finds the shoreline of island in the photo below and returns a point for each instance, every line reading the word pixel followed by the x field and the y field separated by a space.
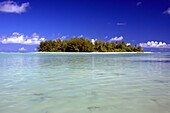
pixel 92 52
pixel 82 52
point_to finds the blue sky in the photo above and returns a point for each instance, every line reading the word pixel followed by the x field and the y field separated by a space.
pixel 25 23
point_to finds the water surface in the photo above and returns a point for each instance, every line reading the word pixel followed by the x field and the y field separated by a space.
pixel 84 83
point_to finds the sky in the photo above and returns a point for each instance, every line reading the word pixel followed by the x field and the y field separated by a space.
pixel 25 23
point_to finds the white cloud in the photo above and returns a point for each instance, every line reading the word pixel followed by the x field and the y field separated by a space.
pixel 17 38
pixel 116 39
pixel 22 49
pixel 167 11
pixel 13 7
pixel 15 33
pixel 121 24
pixel 138 3
pixel 128 44
pixel 93 41
pixel 154 44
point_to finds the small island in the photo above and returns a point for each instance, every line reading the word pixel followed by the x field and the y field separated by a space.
pixel 84 45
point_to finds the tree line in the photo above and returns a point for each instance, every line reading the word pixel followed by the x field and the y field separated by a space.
pixel 85 45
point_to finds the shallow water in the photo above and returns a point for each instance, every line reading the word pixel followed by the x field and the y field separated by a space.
pixel 84 83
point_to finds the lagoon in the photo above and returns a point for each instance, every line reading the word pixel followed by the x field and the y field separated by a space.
pixel 84 83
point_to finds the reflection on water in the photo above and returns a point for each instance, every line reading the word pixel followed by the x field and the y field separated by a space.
pixel 86 83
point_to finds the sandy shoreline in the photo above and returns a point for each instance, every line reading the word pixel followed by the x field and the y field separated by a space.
pixel 92 52
pixel 79 52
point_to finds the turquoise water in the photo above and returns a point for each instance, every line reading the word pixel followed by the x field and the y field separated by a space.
pixel 84 83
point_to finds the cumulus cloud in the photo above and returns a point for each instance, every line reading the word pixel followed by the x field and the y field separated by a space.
pixel 116 39
pixel 22 49
pixel 13 7
pixel 121 24
pixel 17 38
pixel 167 11
pixel 154 44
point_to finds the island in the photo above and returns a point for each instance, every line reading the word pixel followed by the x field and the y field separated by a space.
pixel 84 45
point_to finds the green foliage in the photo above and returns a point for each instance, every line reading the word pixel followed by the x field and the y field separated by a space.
pixel 79 45
pixel 85 45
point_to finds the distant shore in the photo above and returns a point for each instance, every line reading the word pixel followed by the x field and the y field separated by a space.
pixel 84 52
pixel 82 44
pixel 95 52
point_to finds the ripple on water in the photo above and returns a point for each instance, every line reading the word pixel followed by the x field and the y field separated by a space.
pixel 50 83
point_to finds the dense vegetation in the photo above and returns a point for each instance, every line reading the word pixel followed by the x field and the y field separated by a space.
pixel 85 45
